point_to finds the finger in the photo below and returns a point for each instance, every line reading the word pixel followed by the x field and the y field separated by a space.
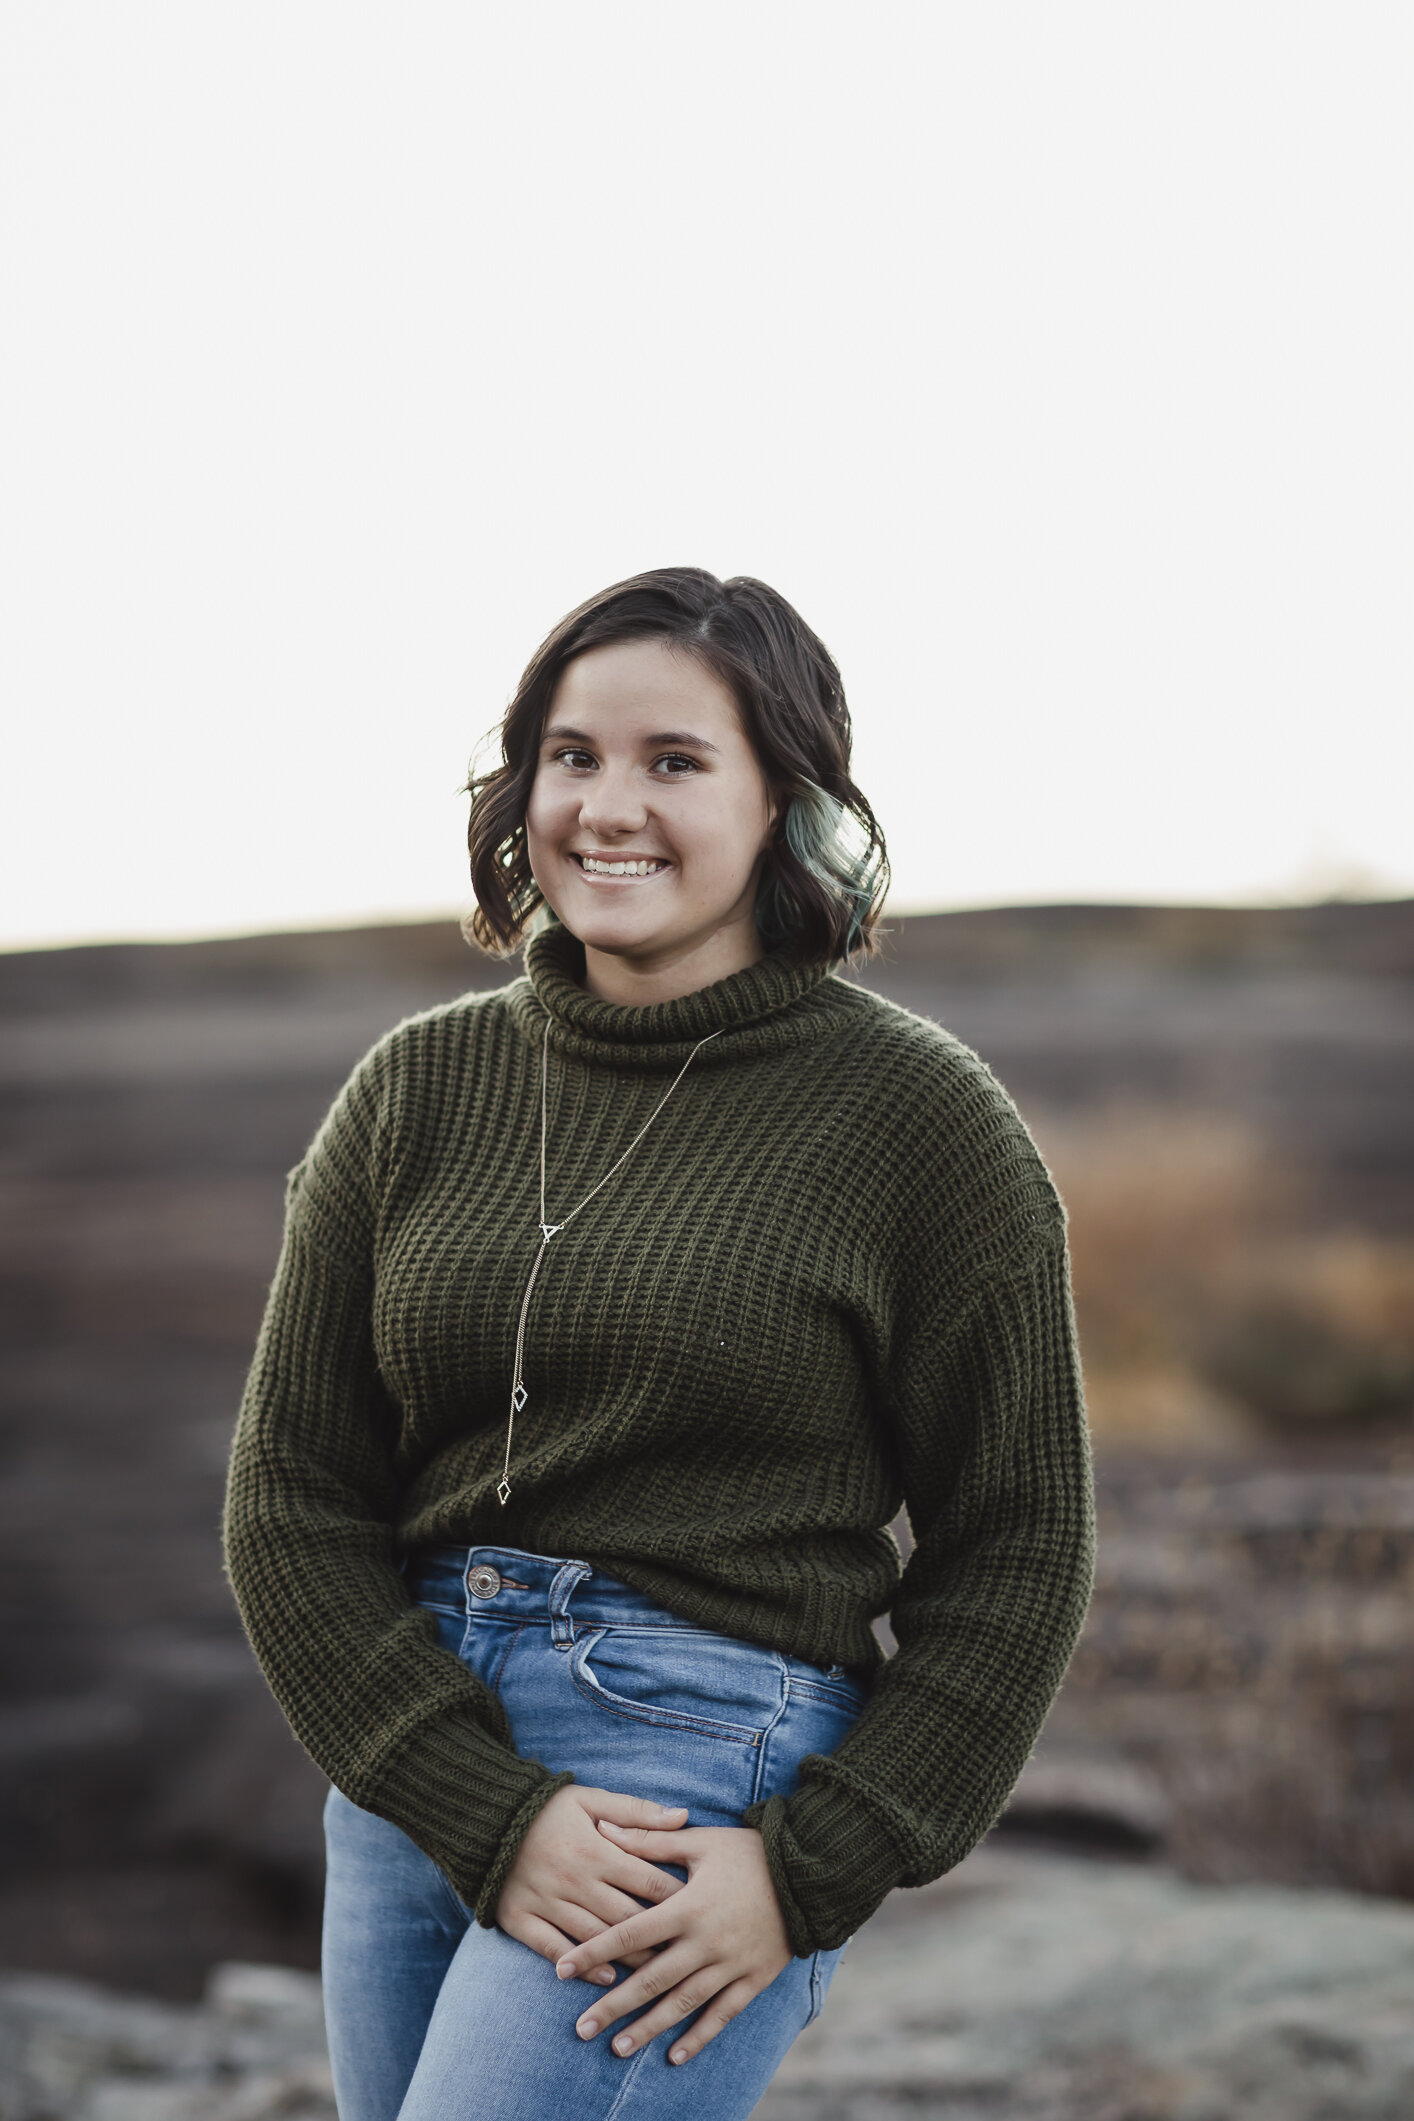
pixel 549 1938
pixel 728 2003
pixel 687 1998
pixel 650 1984
pixel 644 1880
pixel 578 1926
pixel 653 1925
pixel 682 2000
pixel 651 1843
pixel 633 1811
pixel 540 1935
pixel 595 1911
pixel 575 1924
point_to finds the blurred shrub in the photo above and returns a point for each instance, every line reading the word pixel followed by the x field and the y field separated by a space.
pixel 1319 1331
pixel 1210 1302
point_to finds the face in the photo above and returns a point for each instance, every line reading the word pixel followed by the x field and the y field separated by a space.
pixel 649 816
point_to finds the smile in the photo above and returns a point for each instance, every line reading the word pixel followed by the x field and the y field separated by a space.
pixel 593 866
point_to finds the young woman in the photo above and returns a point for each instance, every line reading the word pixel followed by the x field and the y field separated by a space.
pixel 619 1311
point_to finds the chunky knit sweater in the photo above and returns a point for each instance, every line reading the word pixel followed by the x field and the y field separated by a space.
pixel 829 1281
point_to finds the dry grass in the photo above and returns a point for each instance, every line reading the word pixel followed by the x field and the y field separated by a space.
pixel 1211 1308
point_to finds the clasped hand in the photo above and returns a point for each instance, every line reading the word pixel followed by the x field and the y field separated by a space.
pixel 716 1938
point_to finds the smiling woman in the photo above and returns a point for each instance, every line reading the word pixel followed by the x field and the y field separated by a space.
pixel 685 678
pixel 620 1311
pixel 649 820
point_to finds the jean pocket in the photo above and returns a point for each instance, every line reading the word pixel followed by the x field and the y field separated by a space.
pixel 830 1683
pixel 682 1679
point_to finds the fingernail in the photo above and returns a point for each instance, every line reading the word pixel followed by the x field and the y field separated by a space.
pixel 666 1811
pixel 679 2054
pixel 623 2045
pixel 564 1968
pixel 602 1975
pixel 586 2028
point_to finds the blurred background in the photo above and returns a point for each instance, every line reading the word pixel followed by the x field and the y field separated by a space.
pixel 1054 361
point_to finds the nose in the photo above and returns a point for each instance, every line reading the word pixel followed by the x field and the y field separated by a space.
pixel 613 804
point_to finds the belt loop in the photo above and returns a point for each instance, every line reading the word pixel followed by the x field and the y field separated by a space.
pixel 562 1590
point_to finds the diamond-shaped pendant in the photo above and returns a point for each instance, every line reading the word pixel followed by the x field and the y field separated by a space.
pixel 503 1489
pixel 519 1397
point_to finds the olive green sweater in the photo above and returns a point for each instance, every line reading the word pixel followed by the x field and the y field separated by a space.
pixel 830 1280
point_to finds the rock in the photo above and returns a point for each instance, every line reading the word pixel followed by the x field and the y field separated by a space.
pixel 269 1995
pixel 1038 1988
pixel 1242 1699
pixel 1048 1989
pixel 70 2051
pixel 155 1814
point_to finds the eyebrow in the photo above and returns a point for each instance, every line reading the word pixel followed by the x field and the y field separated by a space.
pixel 561 733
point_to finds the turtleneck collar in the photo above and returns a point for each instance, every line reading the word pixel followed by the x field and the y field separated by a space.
pixel 766 1008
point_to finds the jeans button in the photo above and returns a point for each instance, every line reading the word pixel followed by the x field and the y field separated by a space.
pixel 483 1581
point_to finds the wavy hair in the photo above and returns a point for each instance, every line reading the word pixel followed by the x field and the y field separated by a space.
pixel 826 867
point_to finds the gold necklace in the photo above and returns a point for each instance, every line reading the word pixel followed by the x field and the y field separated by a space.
pixel 519 1395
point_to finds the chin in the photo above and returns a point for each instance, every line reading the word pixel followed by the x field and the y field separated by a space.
pixel 614 942
pixel 600 928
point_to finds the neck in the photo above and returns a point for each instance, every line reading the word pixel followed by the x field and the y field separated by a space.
pixel 638 982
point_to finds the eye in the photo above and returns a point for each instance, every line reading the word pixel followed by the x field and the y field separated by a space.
pixel 578 761
pixel 677 763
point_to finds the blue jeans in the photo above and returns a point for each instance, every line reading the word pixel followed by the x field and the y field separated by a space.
pixel 431 2017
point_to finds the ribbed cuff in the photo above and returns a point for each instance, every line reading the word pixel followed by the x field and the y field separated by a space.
pixel 832 1861
pixel 461 1795
pixel 505 1856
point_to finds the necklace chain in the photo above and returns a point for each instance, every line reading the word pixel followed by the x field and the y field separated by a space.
pixel 548 1230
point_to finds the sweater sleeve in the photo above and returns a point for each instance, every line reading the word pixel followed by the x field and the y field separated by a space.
pixel 397 1723
pixel 994 1456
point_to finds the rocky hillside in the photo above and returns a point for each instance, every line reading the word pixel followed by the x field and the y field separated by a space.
pixel 1034 1988
pixel 154 1816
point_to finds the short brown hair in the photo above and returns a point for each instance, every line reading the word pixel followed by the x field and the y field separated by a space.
pixel 819 897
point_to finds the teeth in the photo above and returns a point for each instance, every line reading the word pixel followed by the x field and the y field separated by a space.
pixel 598 868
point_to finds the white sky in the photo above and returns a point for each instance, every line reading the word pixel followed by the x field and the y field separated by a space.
pixel 1053 358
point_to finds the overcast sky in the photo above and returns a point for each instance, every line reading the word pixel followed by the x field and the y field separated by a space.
pixel 1054 359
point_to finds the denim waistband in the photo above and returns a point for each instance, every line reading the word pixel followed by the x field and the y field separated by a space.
pixel 506 1583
